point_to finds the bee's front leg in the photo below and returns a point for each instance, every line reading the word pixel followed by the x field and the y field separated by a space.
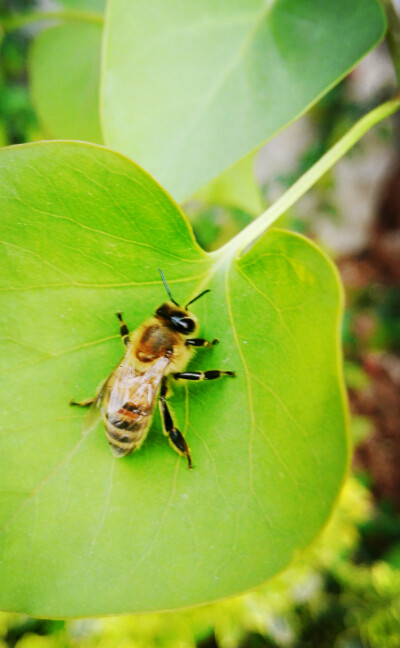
pixel 212 374
pixel 176 438
pixel 123 329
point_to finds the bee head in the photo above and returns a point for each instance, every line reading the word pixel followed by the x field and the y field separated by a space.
pixel 176 318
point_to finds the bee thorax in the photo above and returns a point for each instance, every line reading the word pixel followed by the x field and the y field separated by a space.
pixel 156 341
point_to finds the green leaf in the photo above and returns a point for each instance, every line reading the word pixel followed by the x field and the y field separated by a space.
pixel 67 103
pixel 189 88
pixel 83 533
pixel 94 5
pixel 236 187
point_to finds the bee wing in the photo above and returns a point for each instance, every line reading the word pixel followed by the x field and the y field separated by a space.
pixel 135 391
pixel 92 418
pixel 127 393
pixel 93 414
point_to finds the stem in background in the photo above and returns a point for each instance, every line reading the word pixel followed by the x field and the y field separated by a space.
pixel 393 35
pixel 253 231
pixel 67 15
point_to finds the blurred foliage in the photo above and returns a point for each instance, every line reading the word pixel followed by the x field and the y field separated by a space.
pixel 18 122
pixel 332 117
pixel 341 593
pixel 380 305
pixel 214 225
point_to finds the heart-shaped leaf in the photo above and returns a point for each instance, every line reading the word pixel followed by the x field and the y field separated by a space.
pixel 190 87
pixel 83 231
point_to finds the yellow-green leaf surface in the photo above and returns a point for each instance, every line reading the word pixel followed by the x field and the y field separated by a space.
pixel 188 88
pixel 236 187
pixel 94 5
pixel 65 77
pixel 83 231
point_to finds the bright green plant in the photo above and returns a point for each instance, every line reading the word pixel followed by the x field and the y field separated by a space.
pixel 281 611
pixel 83 232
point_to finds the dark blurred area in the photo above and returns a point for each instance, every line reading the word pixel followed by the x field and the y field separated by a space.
pixel 17 118
pixel 372 278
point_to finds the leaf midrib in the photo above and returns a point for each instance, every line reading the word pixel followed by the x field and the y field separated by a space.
pixel 220 81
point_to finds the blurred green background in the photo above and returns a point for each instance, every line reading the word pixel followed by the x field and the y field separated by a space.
pixel 345 591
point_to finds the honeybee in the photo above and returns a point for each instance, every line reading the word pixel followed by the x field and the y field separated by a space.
pixel 161 347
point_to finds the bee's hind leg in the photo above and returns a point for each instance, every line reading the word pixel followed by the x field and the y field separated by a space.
pixel 176 438
pixel 123 329
pixel 84 403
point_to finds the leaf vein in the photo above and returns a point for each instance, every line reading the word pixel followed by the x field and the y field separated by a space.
pixel 35 254
pixel 109 235
pixel 278 312
pixel 105 507
pixel 248 381
pixel 289 415
pixel 41 485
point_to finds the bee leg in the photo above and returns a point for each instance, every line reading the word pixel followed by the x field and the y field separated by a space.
pixel 200 342
pixel 176 438
pixel 203 375
pixel 84 403
pixel 123 329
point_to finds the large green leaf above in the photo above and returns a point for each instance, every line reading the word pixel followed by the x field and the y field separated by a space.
pixel 82 533
pixel 65 77
pixel 236 187
pixel 190 87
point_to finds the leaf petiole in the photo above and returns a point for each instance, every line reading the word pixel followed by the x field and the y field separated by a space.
pixel 253 231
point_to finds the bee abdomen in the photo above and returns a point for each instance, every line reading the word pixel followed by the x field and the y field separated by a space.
pixel 126 430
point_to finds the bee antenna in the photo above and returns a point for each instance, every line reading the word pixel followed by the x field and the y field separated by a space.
pixel 166 287
pixel 198 297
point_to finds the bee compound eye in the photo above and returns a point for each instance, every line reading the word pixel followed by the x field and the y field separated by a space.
pixel 187 324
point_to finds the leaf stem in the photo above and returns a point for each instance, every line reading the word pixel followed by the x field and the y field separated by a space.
pixel 253 231
pixel 393 35
pixel 67 15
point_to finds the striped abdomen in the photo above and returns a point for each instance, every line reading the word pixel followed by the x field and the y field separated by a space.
pixel 127 428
